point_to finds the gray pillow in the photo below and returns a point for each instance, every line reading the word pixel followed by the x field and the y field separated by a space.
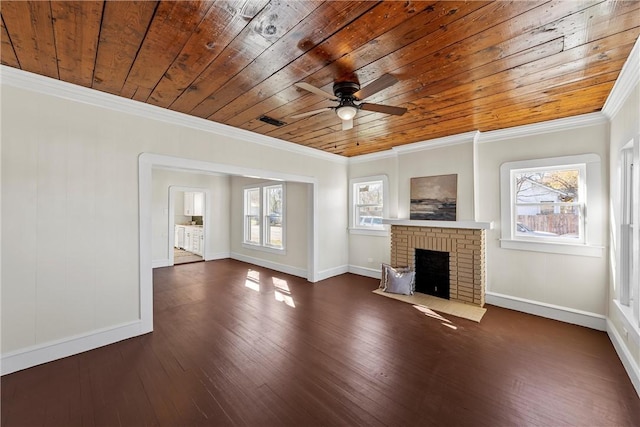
pixel 385 273
pixel 397 280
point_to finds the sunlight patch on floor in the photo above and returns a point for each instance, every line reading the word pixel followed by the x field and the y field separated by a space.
pixel 428 312
pixel 253 280
pixel 282 292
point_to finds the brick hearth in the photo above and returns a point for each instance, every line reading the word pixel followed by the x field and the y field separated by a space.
pixel 466 249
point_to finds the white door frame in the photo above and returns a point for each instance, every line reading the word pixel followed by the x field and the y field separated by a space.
pixel 146 163
pixel 173 189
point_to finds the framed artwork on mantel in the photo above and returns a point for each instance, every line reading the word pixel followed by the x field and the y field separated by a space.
pixel 434 198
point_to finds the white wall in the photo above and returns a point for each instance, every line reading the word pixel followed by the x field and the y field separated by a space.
pixel 69 177
pixel 453 159
pixel 217 218
pixel 366 252
pixel 69 213
pixel 569 281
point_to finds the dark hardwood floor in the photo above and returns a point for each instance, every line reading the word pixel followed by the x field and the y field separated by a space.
pixel 236 344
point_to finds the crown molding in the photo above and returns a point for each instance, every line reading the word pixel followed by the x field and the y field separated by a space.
pixel 626 81
pixel 379 155
pixel 36 83
pixel 431 144
pixel 476 136
pixel 567 123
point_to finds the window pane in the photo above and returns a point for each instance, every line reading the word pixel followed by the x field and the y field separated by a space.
pixel 369 216
pixel 274 231
pixel 252 234
pixel 369 193
pixel 559 185
pixel 273 200
pixel 368 204
pixel 548 221
pixel 252 215
pixel 252 204
pixel 273 220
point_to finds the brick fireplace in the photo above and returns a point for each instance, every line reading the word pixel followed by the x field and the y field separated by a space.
pixel 465 243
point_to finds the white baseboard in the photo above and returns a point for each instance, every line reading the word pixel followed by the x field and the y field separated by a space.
pixel 550 311
pixel 331 272
pixel 157 263
pixel 53 350
pixel 294 271
pixel 629 363
pixel 208 256
pixel 365 271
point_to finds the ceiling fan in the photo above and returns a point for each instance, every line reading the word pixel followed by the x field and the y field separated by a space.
pixel 347 94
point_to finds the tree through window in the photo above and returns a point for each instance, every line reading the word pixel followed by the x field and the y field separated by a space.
pixel 549 202
pixel 368 205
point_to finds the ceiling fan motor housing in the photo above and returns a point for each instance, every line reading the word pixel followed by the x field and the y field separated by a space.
pixel 345 89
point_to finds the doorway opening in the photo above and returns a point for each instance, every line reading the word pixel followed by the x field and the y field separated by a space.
pixel 187 217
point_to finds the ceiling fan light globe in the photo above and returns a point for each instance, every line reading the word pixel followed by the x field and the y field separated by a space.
pixel 347 112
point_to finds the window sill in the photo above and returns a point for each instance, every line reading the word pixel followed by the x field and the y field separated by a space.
pixel 264 249
pixel 553 248
pixel 369 232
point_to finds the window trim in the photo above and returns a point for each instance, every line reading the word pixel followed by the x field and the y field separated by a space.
pixel 262 246
pixel 383 229
pixel 628 265
pixel 265 215
pixel 591 245
pixel 245 216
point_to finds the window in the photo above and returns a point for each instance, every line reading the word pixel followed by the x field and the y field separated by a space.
pixel 264 217
pixel 252 215
pixel 629 293
pixel 368 204
pixel 544 205
pixel 548 203
pixel 273 216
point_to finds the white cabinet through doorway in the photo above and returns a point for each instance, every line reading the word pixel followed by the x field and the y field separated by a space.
pixel 178 241
pixel 193 203
pixel 190 238
pixel 196 241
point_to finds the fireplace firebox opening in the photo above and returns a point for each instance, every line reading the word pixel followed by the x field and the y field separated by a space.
pixel 432 273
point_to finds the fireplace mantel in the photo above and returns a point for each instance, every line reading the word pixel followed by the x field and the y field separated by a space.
pixel 472 225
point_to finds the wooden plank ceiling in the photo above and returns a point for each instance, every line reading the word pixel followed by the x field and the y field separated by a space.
pixel 460 65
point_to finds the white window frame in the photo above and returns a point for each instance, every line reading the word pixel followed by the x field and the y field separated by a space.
pixel 373 230
pixel 266 219
pixel 628 289
pixel 245 217
pixel 591 198
pixel 263 218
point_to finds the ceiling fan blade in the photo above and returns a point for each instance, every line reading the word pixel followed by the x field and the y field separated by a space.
pixel 386 109
pixel 310 113
pixel 313 89
pixel 376 86
pixel 347 124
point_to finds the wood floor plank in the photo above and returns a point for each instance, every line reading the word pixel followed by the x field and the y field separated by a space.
pixel 229 349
